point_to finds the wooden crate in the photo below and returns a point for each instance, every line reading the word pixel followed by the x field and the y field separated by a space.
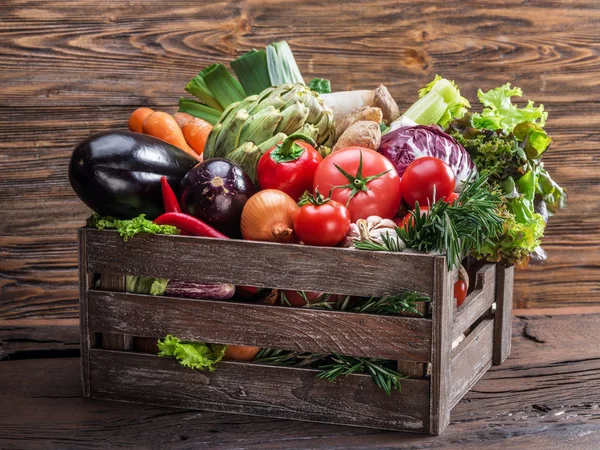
pixel 111 320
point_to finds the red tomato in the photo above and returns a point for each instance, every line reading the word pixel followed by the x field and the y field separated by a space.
pixel 325 224
pixel 460 291
pixel 297 298
pixel 422 176
pixel 373 187
pixel 451 198
pixel 289 167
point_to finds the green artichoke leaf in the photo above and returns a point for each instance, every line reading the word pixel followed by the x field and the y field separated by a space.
pixel 294 116
pixel 261 126
pixel 229 136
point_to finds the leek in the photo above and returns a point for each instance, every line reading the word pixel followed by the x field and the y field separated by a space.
pixel 198 88
pixel 440 102
pixel 225 89
pixel 252 72
pixel 197 109
pixel 282 65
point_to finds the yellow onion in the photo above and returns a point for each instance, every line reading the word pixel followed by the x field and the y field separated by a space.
pixel 268 216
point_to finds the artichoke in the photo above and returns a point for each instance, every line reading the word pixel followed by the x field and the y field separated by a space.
pixel 248 128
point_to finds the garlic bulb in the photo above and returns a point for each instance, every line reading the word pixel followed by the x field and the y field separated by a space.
pixel 369 229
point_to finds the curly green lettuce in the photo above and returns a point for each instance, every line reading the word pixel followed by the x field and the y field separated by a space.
pixel 195 355
pixel 500 113
pixel 130 227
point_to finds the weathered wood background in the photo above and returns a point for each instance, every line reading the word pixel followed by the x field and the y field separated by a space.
pixel 72 68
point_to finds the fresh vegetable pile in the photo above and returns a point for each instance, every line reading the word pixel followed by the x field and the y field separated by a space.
pixel 267 157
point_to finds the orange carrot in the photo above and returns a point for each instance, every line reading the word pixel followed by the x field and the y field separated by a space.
pixel 162 125
pixel 137 118
pixel 196 133
pixel 182 118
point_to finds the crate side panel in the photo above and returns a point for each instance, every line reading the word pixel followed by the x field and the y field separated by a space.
pixel 84 284
pixel 478 301
pixel 471 360
pixel 262 264
pixel 281 392
pixel 302 329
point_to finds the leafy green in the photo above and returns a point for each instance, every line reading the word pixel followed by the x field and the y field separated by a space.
pixel 513 160
pixel 320 85
pixel 195 355
pixel 145 285
pixel 282 65
pixel 130 227
pixel 439 103
pixel 500 113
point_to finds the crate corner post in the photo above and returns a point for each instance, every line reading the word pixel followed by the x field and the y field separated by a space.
pixel 503 317
pixel 441 345
pixel 84 284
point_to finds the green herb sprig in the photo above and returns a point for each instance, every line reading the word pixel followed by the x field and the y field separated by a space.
pixel 334 366
pixel 455 229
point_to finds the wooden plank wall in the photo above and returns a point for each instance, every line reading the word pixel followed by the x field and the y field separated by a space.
pixel 71 68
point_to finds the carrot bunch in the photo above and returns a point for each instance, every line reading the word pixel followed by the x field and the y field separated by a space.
pixel 181 130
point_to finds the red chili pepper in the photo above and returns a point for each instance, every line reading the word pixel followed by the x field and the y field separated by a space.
pixel 169 197
pixel 188 224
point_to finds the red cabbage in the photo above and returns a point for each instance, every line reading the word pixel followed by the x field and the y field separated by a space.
pixel 404 145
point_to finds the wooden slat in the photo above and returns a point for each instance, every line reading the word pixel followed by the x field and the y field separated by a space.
pixel 84 285
pixel 261 325
pixel 441 345
pixel 471 360
pixel 110 341
pixel 478 301
pixel 281 392
pixel 504 303
pixel 263 264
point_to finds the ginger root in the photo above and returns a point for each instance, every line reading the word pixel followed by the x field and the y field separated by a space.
pixel 364 133
pixel 384 101
pixel 369 113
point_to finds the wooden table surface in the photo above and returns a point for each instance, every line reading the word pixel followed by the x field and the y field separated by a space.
pixel 72 68
pixel 546 396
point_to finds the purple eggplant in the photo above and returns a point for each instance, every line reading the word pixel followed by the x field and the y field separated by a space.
pixel 176 288
pixel 215 192
pixel 118 173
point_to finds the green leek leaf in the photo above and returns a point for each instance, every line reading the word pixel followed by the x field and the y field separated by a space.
pixel 252 71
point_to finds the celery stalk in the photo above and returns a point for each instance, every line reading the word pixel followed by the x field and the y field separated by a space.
pixel 225 89
pixel 440 103
pixel 252 72
pixel 197 109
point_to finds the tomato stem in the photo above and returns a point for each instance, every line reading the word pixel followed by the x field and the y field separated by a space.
pixel 356 182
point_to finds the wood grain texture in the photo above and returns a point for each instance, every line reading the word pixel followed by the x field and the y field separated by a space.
pixel 503 316
pixel 477 302
pixel 264 326
pixel 443 306
pixel 471 360
pixel 250 389
pixel 262 264
pixel 72 68
pixel 116 283
pixel 544 397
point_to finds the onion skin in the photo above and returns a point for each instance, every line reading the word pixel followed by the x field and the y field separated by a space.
pixel 269 216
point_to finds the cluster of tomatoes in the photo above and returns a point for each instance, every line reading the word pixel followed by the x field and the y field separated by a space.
pixel 349 184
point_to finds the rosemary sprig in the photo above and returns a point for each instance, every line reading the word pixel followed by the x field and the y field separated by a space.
pixel 455 229
pixel 385 378
pixel 334 366
pixel 388 305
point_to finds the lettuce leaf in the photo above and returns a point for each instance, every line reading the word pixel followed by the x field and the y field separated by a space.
pixel 130 227
pixel 500 113
pixel 195 355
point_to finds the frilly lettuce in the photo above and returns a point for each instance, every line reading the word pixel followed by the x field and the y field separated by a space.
pixel 499 113
pixel 195 355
